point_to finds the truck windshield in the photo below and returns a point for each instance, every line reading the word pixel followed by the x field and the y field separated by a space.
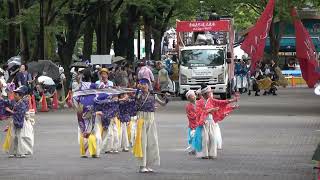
pixel 202 57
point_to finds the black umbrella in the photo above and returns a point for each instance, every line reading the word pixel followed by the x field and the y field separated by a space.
pixel 44 67
pixel 14 61
pixel 79 65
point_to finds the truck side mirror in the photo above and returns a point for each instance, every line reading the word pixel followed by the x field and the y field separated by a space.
pixel 229 55
pixel 228 60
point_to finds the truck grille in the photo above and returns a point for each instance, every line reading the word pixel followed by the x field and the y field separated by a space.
pixel 203 80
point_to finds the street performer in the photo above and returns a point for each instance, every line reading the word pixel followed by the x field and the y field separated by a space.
pixel 192 118
pixel 211 111
pixel 146 148
pixel 89 132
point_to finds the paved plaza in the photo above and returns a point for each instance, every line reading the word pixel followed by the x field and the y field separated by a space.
pixel 269 137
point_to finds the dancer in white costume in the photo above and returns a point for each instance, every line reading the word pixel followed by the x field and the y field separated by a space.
pixel 146 148
pixel 109 108
pixel 20 135
pixel 89 123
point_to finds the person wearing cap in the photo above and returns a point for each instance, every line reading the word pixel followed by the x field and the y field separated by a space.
pixel 110 110
pixel 146 147
pixel 21 128
pixel 104 82
pixel 192 117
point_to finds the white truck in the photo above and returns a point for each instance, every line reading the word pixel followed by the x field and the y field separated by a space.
pixel 206 61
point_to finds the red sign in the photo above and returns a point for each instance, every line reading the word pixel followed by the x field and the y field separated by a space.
pixel 196 26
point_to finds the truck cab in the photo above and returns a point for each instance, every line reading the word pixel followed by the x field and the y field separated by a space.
pixel 209 63
pixel 203 64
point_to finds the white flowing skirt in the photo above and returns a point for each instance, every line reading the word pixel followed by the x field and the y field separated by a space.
pixel 21 140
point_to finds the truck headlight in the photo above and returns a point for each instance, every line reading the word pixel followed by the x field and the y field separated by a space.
pixel 220 78
pixel 183 79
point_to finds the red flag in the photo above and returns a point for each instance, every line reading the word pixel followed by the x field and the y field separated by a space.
pixel 255 41
pixel 306 52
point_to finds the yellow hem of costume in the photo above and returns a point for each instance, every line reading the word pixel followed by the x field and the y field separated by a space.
pixel 118 124
pixel 7 142
pixel 137 147
pixel 92 145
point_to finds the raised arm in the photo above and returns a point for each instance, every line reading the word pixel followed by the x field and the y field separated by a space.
pixel 161 102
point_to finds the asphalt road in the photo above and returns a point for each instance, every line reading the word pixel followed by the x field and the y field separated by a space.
pixel 270 137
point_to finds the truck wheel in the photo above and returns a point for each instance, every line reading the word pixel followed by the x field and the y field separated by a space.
pixel 183 97
pixel 223 96
pixel 229 91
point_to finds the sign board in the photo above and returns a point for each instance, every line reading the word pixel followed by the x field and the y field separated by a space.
pixel 196 26
pixel 201 72
pixel 101 59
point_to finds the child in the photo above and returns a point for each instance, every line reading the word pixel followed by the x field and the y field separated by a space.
pixel 192 117
pixel 20 135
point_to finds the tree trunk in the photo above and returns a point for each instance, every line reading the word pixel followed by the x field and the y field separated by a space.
pixel 147 37
pixel 132 25
pixel 88 39
pixel 103 28
pixel 24 45
pixel 275 39
pixel 110 31
pixel 4 51
pixel 121 48
pixel 67 43
pixel 12 39
pixel 138 42
pixel 156 55
pixel 98 35
pixel 35 51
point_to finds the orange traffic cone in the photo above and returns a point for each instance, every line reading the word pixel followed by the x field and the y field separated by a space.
pixel 55 102
pixel 69 99
pixel 30 103
pixel 293 82
pixel 44 105
pixel 34 104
